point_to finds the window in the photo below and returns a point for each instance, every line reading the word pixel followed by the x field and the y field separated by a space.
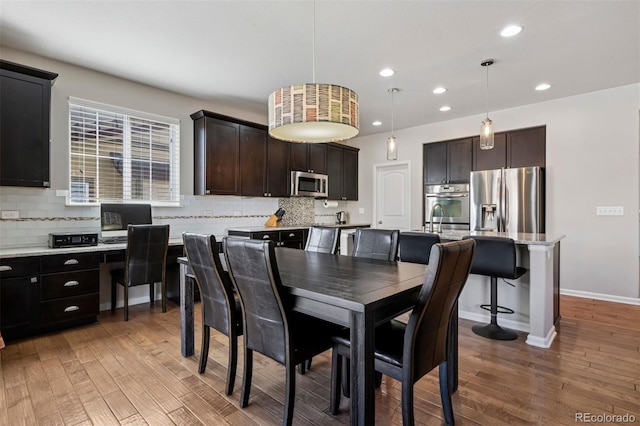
pixel 120 155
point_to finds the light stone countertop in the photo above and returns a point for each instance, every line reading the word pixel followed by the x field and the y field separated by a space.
pixel 288 228
pixel 519 238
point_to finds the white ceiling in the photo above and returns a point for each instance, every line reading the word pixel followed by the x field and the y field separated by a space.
pixel 237 52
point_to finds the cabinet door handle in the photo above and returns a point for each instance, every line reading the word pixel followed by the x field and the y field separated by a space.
pixel 71 262
pixel 265 237
pixel 292 235
pixel 72 308
pixel 71 284
pixel 4 268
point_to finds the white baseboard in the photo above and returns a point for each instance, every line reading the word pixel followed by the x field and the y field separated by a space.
pixel 600 296
pixel 505 322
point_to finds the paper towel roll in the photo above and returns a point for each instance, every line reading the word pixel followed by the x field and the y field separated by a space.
pixel 330 204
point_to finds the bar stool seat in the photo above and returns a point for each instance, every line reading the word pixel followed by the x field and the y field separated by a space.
pixel 495 257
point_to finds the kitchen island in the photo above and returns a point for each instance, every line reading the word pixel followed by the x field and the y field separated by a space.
pixel 534 297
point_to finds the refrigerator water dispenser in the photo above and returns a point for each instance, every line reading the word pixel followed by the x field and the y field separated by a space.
pixel 489 217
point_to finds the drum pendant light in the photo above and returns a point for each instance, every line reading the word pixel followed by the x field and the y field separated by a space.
pixel 313 113
pixel 392 141
pixel 486 130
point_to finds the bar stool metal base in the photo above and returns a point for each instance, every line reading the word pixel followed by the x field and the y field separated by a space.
pixel 494 331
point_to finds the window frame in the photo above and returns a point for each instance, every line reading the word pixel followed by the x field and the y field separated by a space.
pixel 129 164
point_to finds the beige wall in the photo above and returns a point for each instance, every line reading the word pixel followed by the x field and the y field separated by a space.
pixel 95 86
pixel 592 160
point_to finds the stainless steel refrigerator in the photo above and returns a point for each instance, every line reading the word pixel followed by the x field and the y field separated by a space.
pixel 507 200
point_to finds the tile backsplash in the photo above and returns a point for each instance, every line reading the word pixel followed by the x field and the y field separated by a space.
pixel 41 212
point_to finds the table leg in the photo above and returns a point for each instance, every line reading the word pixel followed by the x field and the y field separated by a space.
pixel 186 312
pixel 362 371
pixel 452 356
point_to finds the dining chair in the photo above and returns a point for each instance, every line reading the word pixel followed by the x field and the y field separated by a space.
pixel 323 239
pixel 145 263
pixel 415 247
pixel 381 244
pixel 406 352
pixel 220 307
pixel 270 326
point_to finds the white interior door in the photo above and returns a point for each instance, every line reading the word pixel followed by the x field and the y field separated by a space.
pixel 392 203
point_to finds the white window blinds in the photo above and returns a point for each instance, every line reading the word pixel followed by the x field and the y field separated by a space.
pixel 117 154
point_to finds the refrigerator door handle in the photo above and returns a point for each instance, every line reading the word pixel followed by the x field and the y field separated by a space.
pixel 505 208
pixel 502 200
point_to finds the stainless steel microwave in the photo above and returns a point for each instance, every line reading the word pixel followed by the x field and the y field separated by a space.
pixel 305 184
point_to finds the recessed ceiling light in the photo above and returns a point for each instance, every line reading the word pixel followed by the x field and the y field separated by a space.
pixel 377 123
pixel 543 86
pixel 439 90
pixel 445 108
pixel 511 30
pixel 387 72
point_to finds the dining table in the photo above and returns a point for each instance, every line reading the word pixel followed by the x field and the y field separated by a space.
pixel 354 292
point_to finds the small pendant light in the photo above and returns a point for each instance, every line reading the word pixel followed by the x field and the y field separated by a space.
pixel 392 142
pixel 486 130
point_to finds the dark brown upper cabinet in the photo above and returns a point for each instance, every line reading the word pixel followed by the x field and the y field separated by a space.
pixel 309 157
pixel 236 157
pixel 342 168
pixel 25 103
pixel 515 148
pixel 447 161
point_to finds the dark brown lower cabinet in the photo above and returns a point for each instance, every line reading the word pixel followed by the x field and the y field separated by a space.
pixel 19 297
pixel 39 294
pixel 294 238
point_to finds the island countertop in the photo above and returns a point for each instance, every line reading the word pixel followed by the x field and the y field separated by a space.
pixel 518 237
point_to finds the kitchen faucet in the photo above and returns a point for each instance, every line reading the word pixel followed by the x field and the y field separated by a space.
pixel 433 208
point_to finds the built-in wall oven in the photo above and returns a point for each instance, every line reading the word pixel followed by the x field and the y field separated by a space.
pixel 453 209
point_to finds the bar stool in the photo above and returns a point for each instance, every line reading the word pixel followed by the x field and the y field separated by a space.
pixel 495 257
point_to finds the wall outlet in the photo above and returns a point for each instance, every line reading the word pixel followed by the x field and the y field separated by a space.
pixel 237 213
pixel 10 214
pixel 208 213
pixel 361 210
pixel 62 192
pixel 610 211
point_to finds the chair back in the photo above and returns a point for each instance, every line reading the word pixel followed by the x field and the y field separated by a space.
pixel 254 273
pixel 494 257
pixel 146 254
pixel 415 247
pixel 216 289
pixel 323 239
pixel 427 332
pixel 381 244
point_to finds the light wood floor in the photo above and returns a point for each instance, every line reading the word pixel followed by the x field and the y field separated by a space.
pixel 132 372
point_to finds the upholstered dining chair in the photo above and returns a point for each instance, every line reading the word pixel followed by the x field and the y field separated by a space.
pixel 323 239
pixel 415 247
pixel 381 244
pixel 270 326
pixel 145 263
pixel 220 307
pixel 406 352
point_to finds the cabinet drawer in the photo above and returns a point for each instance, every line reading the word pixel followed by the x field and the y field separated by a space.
pixel 292 235
pixel 69 262
pixel 68 284
pixel 69 309
pixel 18 267
pixel 270 235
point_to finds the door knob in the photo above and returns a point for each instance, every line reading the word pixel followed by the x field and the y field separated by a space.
pixel 379 222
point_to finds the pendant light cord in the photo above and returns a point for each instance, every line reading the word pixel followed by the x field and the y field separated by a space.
pixel 392 108
pixel 487 92
pixel 313 62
